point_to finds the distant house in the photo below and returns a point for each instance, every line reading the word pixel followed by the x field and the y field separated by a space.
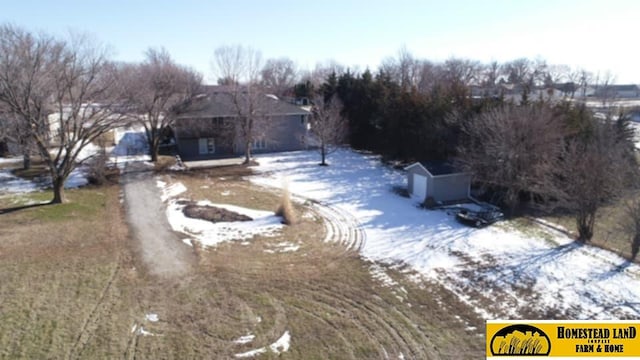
pixel 440 181
pixel 630 91
pixel 209 127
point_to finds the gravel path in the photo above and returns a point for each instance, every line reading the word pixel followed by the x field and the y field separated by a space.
pixel 158 246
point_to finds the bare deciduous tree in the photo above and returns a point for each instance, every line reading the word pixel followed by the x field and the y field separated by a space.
pixel 243 65
pixel 15 134
pixel 63 93
pixel 279 75
pixel 512 149
pixel 328 125
pixel 155 89
pixel 631 225
pixel 592 172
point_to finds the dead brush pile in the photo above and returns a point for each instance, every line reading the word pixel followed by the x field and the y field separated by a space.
pixel 286 210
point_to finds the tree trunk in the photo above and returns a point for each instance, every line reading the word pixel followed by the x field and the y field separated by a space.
pixel 26 161
pixel 584 225
pixel 154 154
pixel 153 150
pixel 4 148
pixel 635 246
pixel 58 191
pixel 247 152
pixel 323 154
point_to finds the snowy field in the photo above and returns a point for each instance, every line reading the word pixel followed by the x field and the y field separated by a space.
pixel 499 271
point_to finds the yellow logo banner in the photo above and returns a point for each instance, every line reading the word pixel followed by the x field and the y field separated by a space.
pixel 540 338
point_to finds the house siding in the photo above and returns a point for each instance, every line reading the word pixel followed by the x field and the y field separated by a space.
pixel 283 133
pixel 443 188
pixel 189 149
pixel 450 188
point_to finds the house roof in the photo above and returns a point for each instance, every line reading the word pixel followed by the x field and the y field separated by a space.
pixel 219 101
pixel 626 87
pixel 437 168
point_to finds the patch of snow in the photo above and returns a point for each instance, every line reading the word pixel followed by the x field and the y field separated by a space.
pixel 88 151
pixel 225 193
pixel 152 317
pixel 245 339
pixel 12 184
pixel 143 332
pixel 283 247
pixel 170 191
pixel 308 215
pixel 131 146
pixel 281 345
pixel 77 178
pixel 133 328
pixel 576 281
pixel 379 274
pixel 264 223
pixel 187 241
pixel 10 160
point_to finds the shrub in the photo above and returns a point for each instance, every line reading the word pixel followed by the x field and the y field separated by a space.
pixel 430 203
pixel 98 171
pixel 286 210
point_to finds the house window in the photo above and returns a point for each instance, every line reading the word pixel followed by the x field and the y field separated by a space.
pixel 259 144
pixel 206 146
pixel 218 121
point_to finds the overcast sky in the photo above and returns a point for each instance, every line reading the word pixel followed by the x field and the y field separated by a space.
pixel 597 35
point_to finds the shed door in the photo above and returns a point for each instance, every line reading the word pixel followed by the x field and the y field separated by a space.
pixel 419 186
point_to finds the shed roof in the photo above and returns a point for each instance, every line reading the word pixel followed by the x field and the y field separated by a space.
pixel 437 168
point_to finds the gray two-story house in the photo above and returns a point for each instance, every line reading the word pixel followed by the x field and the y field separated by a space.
pixel 215 123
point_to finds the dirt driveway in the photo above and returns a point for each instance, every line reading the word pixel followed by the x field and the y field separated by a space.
pixel 158 246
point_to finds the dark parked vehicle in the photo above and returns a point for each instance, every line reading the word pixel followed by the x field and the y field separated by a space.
pixel 479 218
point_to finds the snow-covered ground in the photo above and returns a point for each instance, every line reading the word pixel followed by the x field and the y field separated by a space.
pixel 497 264
pixel 131 146
pixel 264 223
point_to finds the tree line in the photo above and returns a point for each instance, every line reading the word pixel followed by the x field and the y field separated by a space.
pixel 526 153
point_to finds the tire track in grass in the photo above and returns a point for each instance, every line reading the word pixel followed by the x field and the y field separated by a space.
pixel 347 343
pixel 341 227
pixel 369 318
pixel 90 322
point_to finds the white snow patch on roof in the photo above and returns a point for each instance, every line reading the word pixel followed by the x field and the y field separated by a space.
pixel 281 345
pixel 577 281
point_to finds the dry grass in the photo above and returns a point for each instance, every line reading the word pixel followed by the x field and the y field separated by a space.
pixel 69 287
pixel 164 162
pixel 61 279
pixel 608 232
pixel 286 210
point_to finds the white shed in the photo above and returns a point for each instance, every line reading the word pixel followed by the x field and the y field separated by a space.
pixel 441 181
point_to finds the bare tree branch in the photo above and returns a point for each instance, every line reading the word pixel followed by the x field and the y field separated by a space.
pixel 328 125
pixel 155 89
pixel 61 91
